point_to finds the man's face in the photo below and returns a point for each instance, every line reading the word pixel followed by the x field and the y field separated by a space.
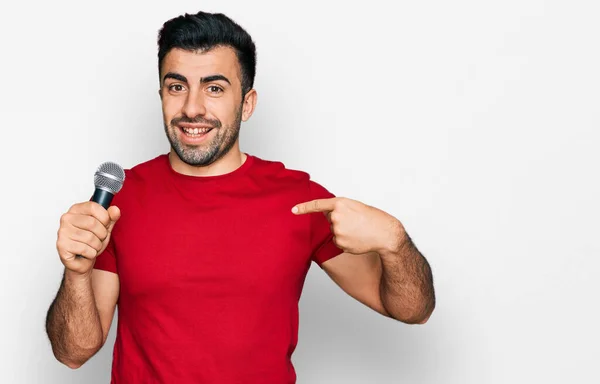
pixel 201 97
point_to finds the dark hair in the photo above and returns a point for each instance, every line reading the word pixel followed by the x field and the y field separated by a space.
pixel 204 31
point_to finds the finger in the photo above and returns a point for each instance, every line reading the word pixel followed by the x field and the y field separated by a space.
pixel 89 223
pixel 319 205
pixel 86 237
pixel 76 248
pixel 115 214
pixel 93 209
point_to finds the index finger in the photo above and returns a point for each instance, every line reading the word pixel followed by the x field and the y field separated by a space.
pixel 94 209
pixel 319 205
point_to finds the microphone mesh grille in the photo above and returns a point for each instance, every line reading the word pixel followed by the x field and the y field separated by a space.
pixel 114 182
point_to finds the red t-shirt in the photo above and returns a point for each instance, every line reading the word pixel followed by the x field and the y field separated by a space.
pixel 211 270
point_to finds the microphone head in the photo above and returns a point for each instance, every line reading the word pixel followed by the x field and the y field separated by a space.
pixel 109 177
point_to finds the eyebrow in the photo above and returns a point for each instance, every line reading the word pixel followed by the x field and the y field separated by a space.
pixel 211 78
pixel 176 76
pixel 207 79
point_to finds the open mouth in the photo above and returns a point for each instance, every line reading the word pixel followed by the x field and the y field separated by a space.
pixel 195 132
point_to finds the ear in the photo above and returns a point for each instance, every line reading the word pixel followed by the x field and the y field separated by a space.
pixel 249 104
pixel 160 93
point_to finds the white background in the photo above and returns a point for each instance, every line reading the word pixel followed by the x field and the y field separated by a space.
pixel 473 122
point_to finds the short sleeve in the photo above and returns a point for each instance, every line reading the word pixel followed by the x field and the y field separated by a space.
pixel 107 261
pixel 321 239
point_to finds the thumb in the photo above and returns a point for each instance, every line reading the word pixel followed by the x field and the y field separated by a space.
pixel 115 214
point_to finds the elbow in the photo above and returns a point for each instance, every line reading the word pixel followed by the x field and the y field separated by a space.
pixel 68 361
pixel 72 364
pixel 427 314
pixel 422 320
pixel 415 320
pixel 76 359
pixel 417 316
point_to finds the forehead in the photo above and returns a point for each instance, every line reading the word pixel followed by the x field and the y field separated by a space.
pixel 197 64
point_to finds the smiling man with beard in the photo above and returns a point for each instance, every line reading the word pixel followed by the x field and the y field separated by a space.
pixel 205 249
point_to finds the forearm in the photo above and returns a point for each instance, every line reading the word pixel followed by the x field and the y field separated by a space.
pixel 406 286
pixel 73 323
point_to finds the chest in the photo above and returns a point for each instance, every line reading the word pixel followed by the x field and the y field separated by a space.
pixel 250 246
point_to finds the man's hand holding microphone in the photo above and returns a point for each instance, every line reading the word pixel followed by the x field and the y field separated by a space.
pixel 78 319
pixel 83 234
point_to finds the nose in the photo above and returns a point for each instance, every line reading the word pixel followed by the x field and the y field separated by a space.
pixel 194 104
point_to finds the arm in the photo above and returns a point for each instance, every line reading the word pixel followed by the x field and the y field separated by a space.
pixel 395 284
pixel 407 282
pixel 80 316
pixel 359 276
pixel 380 266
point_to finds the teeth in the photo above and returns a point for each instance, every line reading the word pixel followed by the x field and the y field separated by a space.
pixel 196 131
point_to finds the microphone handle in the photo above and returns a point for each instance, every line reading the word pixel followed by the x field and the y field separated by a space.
pixel 102 197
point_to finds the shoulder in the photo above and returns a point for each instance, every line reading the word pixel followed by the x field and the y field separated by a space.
pixel 278 172
pixel 141 172
pixel 137 176
pixel 146 169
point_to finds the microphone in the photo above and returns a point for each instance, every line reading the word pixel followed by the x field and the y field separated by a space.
pixel 108 180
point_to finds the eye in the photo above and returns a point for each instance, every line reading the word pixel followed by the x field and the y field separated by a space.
pixel 215 89
pixel 176 87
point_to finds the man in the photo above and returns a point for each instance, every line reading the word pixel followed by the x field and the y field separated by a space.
pixel 205 249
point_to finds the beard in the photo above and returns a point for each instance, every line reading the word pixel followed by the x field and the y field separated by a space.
pixel 206 153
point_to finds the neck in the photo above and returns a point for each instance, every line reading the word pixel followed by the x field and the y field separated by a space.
pixel 226 164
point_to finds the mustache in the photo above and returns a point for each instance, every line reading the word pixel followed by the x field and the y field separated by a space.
pixel 196 120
